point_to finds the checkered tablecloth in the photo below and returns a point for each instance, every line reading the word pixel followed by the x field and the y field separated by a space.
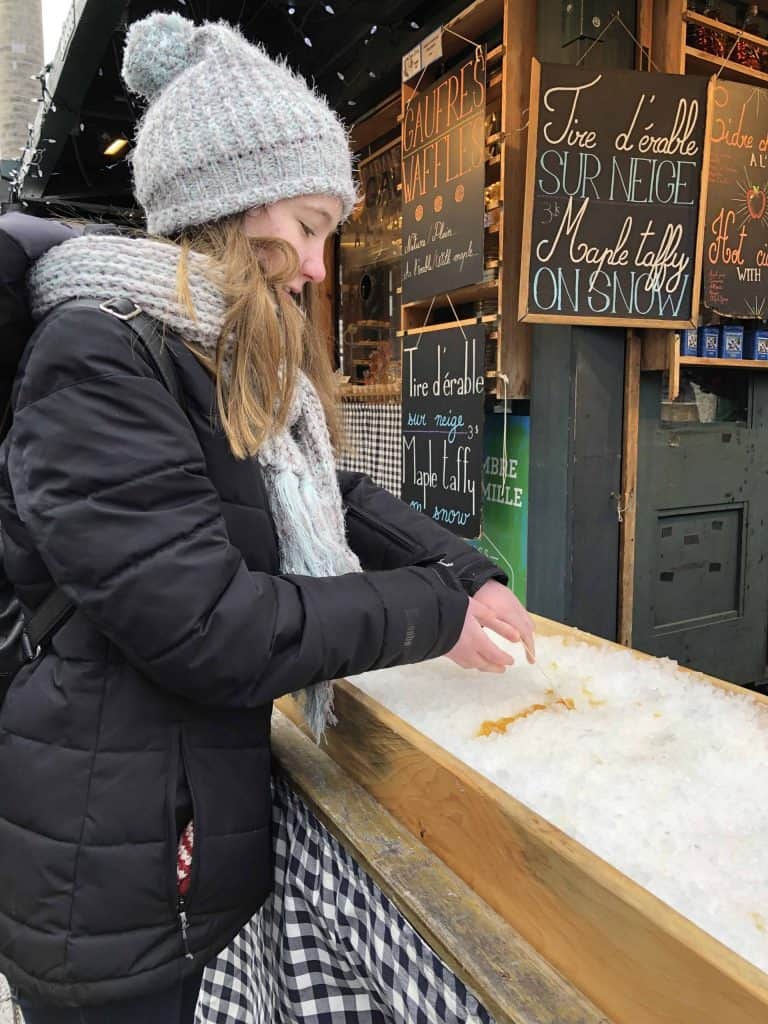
pixel 374 442
pixel 329 947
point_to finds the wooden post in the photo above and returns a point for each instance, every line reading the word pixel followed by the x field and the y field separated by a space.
pixel 673 366
pixel 644 35
pixel 669 36
pixel 628 498
pixel 324 300
pixel 514 337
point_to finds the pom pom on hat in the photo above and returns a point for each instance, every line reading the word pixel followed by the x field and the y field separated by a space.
pixel 157 49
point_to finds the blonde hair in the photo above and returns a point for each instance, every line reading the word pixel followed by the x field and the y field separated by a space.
pixel 272 339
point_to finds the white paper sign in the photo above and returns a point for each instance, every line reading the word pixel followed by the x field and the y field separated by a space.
pixel 432 47
pixel 412 62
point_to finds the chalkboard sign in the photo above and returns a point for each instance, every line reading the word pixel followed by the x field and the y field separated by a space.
pixel 443 143
pixel 613 205
pixel 736 233
pixel 443 388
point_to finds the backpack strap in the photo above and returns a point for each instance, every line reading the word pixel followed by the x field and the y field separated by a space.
pixel 150 332
pixel 56 608
pixel 48 616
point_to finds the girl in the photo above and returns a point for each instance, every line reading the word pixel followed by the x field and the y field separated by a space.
pixel 214 557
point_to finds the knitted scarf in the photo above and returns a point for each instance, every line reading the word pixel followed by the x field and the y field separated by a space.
pixel 298 463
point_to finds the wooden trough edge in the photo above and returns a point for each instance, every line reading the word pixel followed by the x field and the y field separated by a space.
pixel 514 983
pixel 635 957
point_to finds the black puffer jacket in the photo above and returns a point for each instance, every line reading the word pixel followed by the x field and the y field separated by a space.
pixel 161 682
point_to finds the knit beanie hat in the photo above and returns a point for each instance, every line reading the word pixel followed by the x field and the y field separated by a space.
pixel 227 128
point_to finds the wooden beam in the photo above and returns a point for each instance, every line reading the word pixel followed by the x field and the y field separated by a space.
pixel 668 52
pixel 673 366
pixel 629 487
pixel 376 123
pixel 323 300
pixel 515 338
pixel 511 980
pixel 654 350
pixel 644 35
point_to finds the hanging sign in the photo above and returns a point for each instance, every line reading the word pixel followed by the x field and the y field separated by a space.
pixel 432 47
pixel 412 62
pixel 613 204
pixel 443 395
pixel 736 235
pixel 443 145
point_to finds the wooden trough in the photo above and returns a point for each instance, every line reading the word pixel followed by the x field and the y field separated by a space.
pixel 635 957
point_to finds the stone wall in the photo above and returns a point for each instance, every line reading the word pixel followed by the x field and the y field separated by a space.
pixel 21 55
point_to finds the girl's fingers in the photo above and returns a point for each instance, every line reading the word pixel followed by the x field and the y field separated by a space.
pixel 488 651
pixel 520 633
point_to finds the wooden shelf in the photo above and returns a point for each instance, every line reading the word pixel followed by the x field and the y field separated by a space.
pixel 731 364
pixel 368 392
pixel 494 56
pixel 728 30
pixel 708 64
pixel 507 80
pixel 470 293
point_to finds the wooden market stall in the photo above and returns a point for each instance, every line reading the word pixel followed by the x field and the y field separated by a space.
pixel 683 493
pixel 636 958
pixel 596 478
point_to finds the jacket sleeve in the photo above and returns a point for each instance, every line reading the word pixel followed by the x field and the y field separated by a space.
pixel 385 533
pixel 110 481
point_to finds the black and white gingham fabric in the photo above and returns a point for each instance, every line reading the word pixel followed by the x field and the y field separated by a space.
pixel 328 947
pixel 374 441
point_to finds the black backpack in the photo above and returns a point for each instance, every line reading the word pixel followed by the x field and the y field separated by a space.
pixel 23 239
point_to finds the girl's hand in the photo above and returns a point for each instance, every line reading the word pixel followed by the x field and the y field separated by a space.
pixel 475 649
pixel 513 621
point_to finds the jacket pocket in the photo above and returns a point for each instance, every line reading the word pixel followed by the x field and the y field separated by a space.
pixel 180 783
pixel 231 800
pixel 414 551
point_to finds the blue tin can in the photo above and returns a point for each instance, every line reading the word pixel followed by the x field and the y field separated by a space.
pixel 689 342
pixel 731 341
pixel 756 343
pixel 709 342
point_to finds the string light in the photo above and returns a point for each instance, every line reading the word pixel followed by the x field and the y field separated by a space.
pixel 329 9
pixel 340 76
pixel 42 78
pixel 374 29
pixel 116 146
pixel 307 41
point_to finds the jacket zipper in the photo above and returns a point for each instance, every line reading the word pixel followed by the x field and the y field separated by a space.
pixel 181 908
pixel 181 901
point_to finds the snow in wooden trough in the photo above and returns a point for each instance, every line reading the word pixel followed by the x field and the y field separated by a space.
pixel 660 774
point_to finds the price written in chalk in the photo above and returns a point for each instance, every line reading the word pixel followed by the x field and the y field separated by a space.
pixel 443 389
